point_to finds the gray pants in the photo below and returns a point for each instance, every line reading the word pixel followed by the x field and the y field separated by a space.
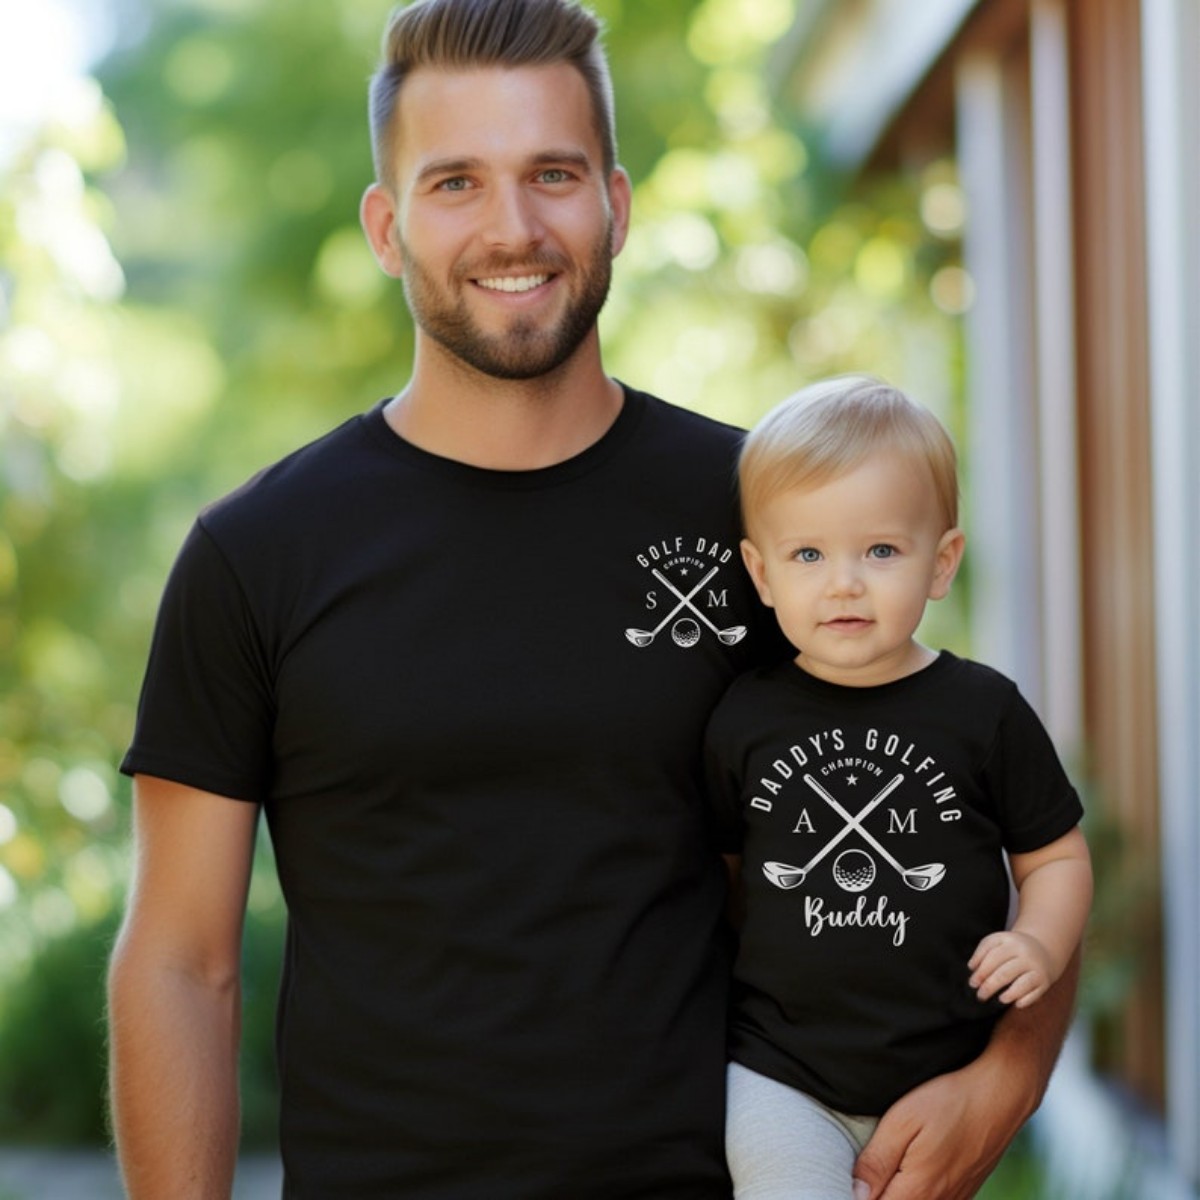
pixel 783 1145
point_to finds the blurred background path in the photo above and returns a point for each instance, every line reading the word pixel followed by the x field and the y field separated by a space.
pixel 92 1175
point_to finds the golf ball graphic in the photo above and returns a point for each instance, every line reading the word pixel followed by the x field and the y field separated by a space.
pixel 685 632
pixel 854 870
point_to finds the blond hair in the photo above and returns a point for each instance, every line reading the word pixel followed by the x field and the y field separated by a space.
pixel 458 35
pixel 830 428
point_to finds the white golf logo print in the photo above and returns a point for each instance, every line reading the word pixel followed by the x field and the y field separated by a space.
pixel 784 876
pixel 686 619
pixel 920 879
pixel 918 793
pixel 643 637
pixel 854 870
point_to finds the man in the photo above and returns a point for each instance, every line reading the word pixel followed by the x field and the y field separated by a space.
pixel 461 652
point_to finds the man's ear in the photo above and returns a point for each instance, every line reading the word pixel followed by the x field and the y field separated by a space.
pixel 757 568
pixel 946 563
pixel 377 212
pixel 620 202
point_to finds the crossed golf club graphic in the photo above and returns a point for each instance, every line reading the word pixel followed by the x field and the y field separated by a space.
pixel 643 637
pixel 920 879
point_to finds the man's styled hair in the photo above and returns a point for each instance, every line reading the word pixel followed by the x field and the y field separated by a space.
pixel 830 428
pixel 463 34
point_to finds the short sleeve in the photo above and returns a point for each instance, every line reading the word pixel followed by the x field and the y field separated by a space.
pixel 206 713
pixel 1035 799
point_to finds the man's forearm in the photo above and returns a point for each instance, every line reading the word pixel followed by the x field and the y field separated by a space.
pixel 1029 1040
pixel 174 1041
pixel 942 1140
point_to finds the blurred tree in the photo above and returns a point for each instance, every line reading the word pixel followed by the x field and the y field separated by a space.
pixel 60 612
pixel 66 628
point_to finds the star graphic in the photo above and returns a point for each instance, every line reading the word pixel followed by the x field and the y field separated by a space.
pixel 852 780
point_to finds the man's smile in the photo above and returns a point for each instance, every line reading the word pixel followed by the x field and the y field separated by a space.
pixel 514 283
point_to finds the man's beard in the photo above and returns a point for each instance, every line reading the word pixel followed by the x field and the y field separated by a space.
pixel 523 350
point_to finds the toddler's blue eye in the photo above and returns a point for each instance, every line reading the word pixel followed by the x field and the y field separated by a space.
pixel 808 554
pixel 882 551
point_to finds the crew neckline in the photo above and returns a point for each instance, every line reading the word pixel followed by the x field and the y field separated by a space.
pixel 633 407
pixel 792 673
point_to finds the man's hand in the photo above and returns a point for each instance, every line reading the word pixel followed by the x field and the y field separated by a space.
pixel 943 1139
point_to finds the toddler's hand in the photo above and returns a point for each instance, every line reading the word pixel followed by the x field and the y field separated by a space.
pixel 1016 962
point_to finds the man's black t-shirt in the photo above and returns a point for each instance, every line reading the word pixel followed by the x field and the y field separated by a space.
pixel 871 822
pixel 472 704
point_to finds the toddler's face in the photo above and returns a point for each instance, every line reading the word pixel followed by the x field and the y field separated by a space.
pixel 848 566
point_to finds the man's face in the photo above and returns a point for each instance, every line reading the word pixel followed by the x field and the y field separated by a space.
pixel 505 225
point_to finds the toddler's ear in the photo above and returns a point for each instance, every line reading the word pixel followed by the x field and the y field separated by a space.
pixel 754 564
pixel 949 556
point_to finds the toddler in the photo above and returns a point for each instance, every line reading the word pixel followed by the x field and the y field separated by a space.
pixel 867 794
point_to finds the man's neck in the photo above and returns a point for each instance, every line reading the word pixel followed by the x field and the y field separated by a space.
pixel 505 424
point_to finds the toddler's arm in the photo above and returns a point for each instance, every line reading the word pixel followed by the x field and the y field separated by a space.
pixel 1054 893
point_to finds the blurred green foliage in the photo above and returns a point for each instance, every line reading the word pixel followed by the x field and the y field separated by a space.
pixel 51 1041
pixel 185 295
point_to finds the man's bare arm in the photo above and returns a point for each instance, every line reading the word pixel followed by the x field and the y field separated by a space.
pixel 942 1140
pixel 174 993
